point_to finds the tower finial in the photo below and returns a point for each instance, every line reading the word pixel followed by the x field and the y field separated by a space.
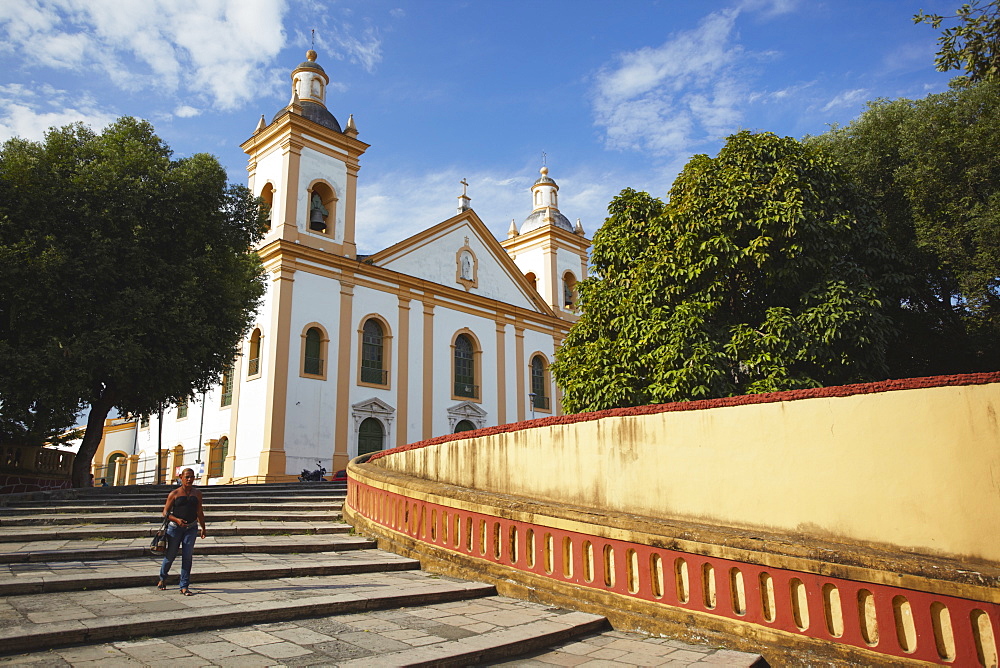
pixel 312 42
pixel 544 157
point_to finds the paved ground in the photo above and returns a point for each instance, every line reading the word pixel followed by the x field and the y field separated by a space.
pixel 382 638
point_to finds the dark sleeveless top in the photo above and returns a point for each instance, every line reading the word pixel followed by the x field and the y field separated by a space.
pixel 186 508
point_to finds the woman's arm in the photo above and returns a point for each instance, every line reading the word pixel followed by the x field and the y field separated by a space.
pixel 170 501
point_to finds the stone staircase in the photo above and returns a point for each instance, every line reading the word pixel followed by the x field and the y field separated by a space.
pixel 280 580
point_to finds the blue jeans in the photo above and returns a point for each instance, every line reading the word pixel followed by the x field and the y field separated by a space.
pixel 183 538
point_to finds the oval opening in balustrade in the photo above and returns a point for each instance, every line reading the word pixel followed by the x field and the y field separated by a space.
pixel 434 519
pixel 497 545
pixel 656 575
pixel 457 533
pixel 468 535
pixel 800 603
pixel 737 591
pixel 445 525
pixel 404 524
pixel 529 548
pixel 832 610
pixel 609 566
pixel 681 582
pixel 982 630
pixel 512 544
pixel 588 561
pixel 867 619
pixel 944 637
pixel 549 554
pixel 906 630
pixel 632 571
pixel 567 557
pixel 421 528
pixel 708 585
pixel 767 596
pixel 482 538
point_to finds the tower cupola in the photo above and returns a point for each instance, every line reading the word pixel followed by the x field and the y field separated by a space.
pixel 545 198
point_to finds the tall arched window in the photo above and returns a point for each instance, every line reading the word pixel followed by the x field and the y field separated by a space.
pixel 313 364
pixel 372 353
pixel 267 205
pixel 465 368
pixel 371 436
pixel 539 383
pixel 322 209
pixel 115 472
pixel 217 457
pixel 532 279
pixel 253 364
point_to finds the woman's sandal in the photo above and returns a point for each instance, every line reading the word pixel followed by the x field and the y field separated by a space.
pixel 187 592
pixel 161 585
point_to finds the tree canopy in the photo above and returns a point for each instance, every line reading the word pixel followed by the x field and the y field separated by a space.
pixel 128 279
pixel 931 169
pixel 973 44
pixel 765 271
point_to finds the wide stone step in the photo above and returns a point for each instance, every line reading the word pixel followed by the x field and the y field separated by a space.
pixel 37 578
pixel 158 498
pixel 107 531
pixel 130 548
pixel 42 621
pixel 213 514
pixel 273 507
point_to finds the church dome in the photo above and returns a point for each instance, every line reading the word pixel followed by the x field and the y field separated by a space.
pixel 310 63
pixel 546 216
pixel 309 81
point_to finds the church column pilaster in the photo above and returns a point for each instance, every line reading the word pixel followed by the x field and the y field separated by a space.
pixel 344 431
pixel 272 456
pixel 403 372
pixel 350 208
pixel 427 418
pixel 519 363
pixel 291 153
pixel 501 373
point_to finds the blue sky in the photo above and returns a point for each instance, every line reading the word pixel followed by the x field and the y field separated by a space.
pixel 616 94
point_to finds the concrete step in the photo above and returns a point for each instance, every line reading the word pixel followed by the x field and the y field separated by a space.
pixel 132 548
pixel 108 531
pixel 213 515
pixel 79 508
pixel 38 578
pixel 42 621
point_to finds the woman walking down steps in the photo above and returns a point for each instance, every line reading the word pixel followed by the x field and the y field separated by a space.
pixel 185 510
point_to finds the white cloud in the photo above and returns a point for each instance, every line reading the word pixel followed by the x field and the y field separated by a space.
pixel 848 98
pixel 185 111
pixel 214 49
pixel 664 99
pixel 23 114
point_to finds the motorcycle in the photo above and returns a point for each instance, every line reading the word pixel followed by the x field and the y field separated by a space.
pixel 313 476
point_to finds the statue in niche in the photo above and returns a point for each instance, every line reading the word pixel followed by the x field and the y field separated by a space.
pixel 317 214
pixel 466 266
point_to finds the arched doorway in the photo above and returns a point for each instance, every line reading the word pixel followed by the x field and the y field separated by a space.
pixel 371 436
pixel 217 457
pixel 464 425
pixel 115 472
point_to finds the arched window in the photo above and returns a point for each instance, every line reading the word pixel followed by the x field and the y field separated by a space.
pixel 569 290
pixel 464 425
pixel 253 364
pixel 372 353
pixel 465 368
pixel 532 279
pixel 267 205
pixel 115 472
pixel 313 363
pixel 218 452
pixel 539 383
pixel 371 436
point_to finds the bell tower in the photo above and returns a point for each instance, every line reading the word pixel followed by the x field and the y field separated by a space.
pixel 550 250
pixel 304 165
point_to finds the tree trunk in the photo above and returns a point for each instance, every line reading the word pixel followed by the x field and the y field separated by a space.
pixel 91 439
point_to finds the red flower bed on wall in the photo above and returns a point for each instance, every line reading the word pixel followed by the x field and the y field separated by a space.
pixel 703 404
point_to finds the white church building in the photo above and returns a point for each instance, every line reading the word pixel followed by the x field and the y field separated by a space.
pixel 445 331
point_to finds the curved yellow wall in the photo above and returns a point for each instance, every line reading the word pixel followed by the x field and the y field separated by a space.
pixel 918 469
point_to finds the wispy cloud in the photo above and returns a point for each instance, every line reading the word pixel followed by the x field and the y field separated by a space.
pixel 847 98
pixel 664 99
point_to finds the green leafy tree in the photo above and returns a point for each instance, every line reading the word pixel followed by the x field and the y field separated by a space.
pixel 931 169
pixel 765 271
pixel 128 279
pixel 973 45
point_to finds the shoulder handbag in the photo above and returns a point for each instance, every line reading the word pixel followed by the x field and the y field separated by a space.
pixel 159 543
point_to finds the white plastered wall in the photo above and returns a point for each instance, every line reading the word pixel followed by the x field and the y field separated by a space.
pixel 315 165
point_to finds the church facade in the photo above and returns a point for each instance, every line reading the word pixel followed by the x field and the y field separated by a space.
pixel 445 331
